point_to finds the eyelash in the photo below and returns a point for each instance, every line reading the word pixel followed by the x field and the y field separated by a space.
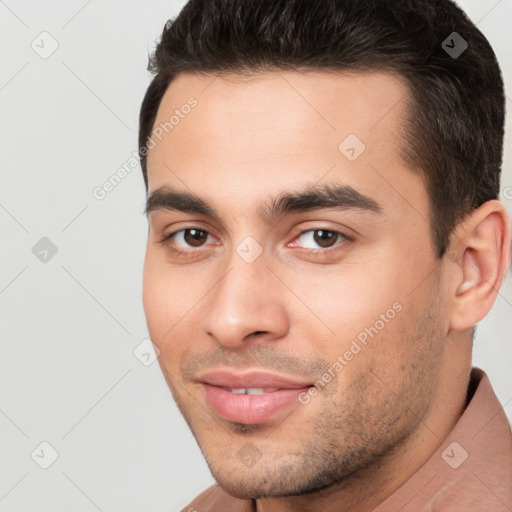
pixel 345 239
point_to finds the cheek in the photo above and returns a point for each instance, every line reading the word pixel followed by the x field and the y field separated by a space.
pixel 153 294
pixel 171 296
pixel 352 298
pixel 370 314
pixel 164 298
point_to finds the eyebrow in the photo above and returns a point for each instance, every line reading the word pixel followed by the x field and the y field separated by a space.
pixel 314 197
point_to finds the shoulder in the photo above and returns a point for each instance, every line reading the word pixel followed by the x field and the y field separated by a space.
pixel 216 499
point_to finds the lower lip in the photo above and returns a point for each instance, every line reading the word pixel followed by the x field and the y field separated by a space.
pixel 250 409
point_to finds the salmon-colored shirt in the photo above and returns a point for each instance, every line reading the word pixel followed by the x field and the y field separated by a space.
pixel 470 472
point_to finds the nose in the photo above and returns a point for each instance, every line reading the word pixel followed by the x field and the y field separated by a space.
pixel 244 303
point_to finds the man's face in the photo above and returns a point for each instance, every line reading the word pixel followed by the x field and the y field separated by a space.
pixel 257 308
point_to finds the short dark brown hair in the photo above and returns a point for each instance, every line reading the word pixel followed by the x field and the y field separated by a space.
pixel 455 121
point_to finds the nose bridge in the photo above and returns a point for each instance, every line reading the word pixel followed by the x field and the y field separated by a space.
pixel 244 301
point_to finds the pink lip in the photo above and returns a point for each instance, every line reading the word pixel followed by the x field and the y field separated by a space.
pixel 280 392
pixel 250 379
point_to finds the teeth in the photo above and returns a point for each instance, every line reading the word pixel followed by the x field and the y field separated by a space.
pixel 255 391
pixel 247 391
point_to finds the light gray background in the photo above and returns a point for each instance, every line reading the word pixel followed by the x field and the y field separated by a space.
pixel 69 326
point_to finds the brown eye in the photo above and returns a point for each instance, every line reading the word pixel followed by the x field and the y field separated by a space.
pixel 194 237
pixel 319 239
pixel 325 238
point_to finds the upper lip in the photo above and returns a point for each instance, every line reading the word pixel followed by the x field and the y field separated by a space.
pixel 250 379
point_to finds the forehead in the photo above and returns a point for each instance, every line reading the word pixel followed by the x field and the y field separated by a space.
pixel 276 129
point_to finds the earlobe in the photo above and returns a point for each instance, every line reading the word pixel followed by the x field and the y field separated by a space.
pixel 483 239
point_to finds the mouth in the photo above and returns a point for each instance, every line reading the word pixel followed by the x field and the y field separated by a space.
pixel 252 397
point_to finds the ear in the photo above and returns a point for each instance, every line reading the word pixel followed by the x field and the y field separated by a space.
pixel 480 249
